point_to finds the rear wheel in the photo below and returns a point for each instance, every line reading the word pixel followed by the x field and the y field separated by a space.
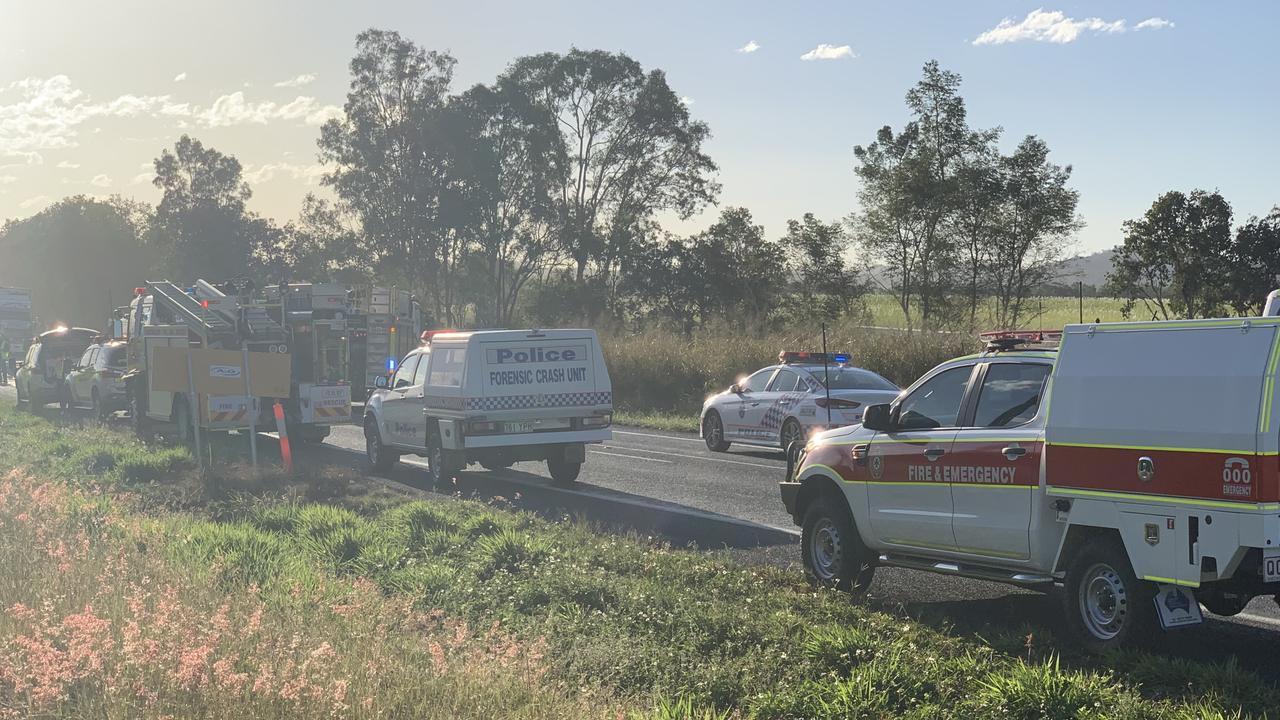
pixel 443 464
pixel 380 458
pixel 713 432
pixel 792 433
pixel 138 416
pixel 834 555
pixel 564 473
pixel 95 400
pixel 1108 607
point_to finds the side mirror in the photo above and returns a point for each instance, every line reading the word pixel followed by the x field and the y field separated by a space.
pixel 878 418
pixel 380 382
pixel 736 389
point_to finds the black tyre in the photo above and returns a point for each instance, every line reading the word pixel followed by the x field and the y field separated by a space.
pixel 833 554
pixel 1107 606
pixel 792 433
pixel 713 432
pixel 564 473
pixel 380 458
pixel 99 413
pixel 442 464
pixel 493 464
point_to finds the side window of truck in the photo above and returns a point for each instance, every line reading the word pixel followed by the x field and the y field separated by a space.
pixel 1010 394
pixel 446 367
pixel 935 404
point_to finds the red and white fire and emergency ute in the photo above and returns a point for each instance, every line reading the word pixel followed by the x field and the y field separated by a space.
pixel 1137 465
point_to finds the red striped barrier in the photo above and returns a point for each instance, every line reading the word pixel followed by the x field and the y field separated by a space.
pixel 283 430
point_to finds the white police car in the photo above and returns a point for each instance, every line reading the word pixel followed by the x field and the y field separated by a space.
pixel 783 403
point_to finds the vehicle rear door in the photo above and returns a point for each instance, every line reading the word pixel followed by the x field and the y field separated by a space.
pixel 996 459
pixel 778 401
pixel 398 406
pixel 909 491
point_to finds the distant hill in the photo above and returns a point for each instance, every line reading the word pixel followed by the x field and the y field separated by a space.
pixel 1092 269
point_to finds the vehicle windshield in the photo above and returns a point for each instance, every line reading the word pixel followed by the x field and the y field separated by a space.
pixel 847 378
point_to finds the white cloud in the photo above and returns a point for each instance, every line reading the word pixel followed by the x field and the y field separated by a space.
pixel 180 77
pixel 67 165
pixel 34 201
pixel 144 178
pixel 232 109
pixel 829 52
pixel 299 81
pixel 750 47
pixel 101 180
pixel 1044 26
pixel 306 174
pixel 686 100
pixel 1154 23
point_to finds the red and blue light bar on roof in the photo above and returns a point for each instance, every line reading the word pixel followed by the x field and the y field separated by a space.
pixel 788 357
pixel 1009 339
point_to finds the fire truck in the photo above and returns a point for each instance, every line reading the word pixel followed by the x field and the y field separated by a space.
pixel 385 324
pixel 162 314
pixel 316 317
pixel 1137 465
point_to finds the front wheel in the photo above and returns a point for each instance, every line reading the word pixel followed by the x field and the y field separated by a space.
pixel 834 555
pixel 138 416
pixel 380 458
pixel 713 432
pixel 1107 606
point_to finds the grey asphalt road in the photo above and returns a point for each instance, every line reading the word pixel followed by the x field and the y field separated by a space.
pixel 671 471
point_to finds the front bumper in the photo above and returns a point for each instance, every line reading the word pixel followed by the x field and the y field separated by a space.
pixel 790 493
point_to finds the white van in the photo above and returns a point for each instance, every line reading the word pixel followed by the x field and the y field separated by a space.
pixel 493 397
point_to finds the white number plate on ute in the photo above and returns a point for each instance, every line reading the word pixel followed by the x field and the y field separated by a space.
pixel 1270 564
pixel 525 426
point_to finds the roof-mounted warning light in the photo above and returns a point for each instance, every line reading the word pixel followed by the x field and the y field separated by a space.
pixel 789 357
pixel 1005 340
pixel 428 334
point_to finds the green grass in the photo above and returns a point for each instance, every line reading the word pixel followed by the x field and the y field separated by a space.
pixel 616 624
pixel 1047 313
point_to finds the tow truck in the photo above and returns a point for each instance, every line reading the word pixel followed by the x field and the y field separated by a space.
pixel 162 314
pixel 1136 464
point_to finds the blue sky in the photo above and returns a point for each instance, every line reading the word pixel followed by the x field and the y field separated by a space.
pixel 91 91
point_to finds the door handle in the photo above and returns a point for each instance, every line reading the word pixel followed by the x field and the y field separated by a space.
pixel 1013 452
pixel 934 453
pixel 755 404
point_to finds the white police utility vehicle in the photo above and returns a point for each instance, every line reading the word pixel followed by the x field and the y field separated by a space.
pixel 493 397
pixel 785 403
pixel 1138 465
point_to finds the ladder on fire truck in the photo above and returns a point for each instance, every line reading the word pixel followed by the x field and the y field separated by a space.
pixel 224 323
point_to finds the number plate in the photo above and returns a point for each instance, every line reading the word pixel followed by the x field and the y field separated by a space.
pixel 526 426
pixel 1271 564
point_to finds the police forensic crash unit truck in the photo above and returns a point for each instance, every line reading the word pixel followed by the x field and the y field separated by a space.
pixel 1138 465
pixel 495 397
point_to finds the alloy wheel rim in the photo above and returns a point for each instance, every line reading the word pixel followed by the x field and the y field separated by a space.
pixel 1103 601
pixel 792 434
pixel 714 431
pixel 825 549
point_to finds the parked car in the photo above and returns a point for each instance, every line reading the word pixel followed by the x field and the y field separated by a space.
pixel 788 402
pixel 44 369
pixel 95 380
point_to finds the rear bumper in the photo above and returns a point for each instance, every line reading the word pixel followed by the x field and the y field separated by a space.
pixel 540 438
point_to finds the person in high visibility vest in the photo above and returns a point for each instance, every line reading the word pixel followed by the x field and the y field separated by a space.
pixel 6 359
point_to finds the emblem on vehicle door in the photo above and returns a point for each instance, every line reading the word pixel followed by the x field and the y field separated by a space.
pixel 877 466
pixel 1146 469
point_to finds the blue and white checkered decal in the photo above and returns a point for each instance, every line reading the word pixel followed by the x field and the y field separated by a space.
pixel 550 400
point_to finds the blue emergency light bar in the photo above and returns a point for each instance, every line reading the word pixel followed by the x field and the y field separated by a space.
pixel 787 357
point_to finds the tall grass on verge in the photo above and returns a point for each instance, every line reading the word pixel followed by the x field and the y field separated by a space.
pixel 661 371
pixel 96 625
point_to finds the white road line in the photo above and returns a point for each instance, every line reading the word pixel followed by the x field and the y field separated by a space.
pixel 633 457
pixel 660 437
pixel 707 459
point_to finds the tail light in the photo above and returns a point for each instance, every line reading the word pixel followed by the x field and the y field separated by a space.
pixel 482 427
pixel 837 403
pixel 597 421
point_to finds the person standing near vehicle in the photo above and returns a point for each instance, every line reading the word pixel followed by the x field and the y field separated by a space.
pixel 5 359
